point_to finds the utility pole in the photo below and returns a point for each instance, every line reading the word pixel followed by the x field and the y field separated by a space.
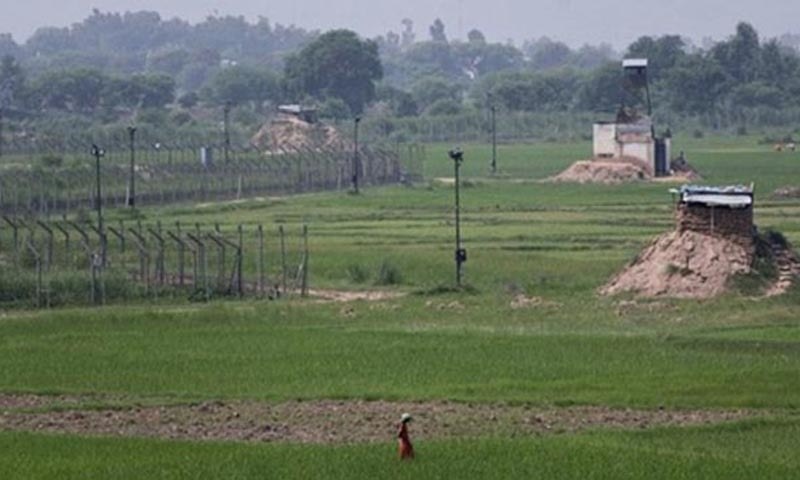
pixel 132 179
pixel 494 139
pixel 356 162
pixel 460 254
pixel 1 130
pixel 493 118
pixel 226 127
pixel 98 152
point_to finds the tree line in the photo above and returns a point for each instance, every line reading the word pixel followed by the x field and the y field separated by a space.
pixel 117 63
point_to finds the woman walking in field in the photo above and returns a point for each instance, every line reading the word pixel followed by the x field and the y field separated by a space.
pixel 406 450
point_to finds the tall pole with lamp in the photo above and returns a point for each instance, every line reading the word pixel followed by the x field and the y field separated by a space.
pixel 356 162
pixel 460 253
pixel 132 173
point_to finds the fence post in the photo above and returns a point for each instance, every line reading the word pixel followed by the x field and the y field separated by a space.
pixel 48 258
pixel 160 267
pixel 261 259
pixel 181 254
pixel 15 229
pixel 240 261
pixel 67 252
pixel 144 258
pixel 304 284
pixel 283 259
pixel 38 260
pixel 201 247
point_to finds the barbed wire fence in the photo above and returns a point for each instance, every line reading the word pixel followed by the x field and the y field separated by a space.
pixel 42 178
pixel 65 262
pixel 53 252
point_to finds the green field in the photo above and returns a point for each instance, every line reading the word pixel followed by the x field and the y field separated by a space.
pixel 555 242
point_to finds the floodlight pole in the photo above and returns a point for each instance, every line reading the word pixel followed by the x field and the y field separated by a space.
pixel 98 152
pixel 356 121
pixel 132 178
pixel 226 125
pixel 460 253
pixel 1 130
pixel 494 139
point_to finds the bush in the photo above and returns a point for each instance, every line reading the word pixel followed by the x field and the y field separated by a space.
pixel 388 274
pixel 357 273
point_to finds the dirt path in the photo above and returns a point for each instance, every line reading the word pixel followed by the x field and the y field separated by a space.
pixel 328 421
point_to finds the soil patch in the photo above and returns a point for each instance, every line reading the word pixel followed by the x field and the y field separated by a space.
pixel 604 171
pixel 685 264
pixel 612 171
pixel 328 421
pixel 350 296
pixel 289 133
pixel 787 192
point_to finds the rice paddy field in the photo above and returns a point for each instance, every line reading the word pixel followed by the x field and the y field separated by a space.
pixel 527 372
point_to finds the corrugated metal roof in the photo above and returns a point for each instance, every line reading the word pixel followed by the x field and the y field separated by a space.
pixel 634 63
pixel 729 195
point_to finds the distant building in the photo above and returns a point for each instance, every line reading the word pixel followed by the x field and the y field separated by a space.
pixel 307 114
pixel 632 135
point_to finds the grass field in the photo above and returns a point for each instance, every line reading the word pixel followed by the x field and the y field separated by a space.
pixel 556 242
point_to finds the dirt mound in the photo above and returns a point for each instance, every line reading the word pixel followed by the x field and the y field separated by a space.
pixel 685 264
pixel 605 171
pixel 289 133
pixel 787 192
pixel 682 169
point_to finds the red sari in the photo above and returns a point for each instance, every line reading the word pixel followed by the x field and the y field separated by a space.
pixel 406 450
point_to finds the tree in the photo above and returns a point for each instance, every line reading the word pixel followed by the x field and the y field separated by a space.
pixel 545 53
pixel 337 64
pixel 476 36
pixel 428 90
pixel 662 53
pixel 400 102
pixel 437 31
pixel 242 85
pixel 741 55
pixel 696 85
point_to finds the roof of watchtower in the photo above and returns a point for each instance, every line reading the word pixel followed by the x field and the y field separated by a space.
pixel 734 196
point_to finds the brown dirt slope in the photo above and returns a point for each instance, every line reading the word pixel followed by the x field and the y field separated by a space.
pixel 289 133
pixel 605 171
pixel 684 264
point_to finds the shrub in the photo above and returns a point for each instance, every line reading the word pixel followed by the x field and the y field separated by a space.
pixel 388 274
pixel 357 274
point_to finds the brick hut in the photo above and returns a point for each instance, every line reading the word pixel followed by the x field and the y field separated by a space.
pixel 725 212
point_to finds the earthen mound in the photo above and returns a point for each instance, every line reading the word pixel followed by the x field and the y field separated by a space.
pixel 605 171
pixel 787 192
pixel 289 133
pixel 683 264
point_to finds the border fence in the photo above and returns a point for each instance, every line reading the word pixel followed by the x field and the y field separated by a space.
pixel 46 178
pixel 64 262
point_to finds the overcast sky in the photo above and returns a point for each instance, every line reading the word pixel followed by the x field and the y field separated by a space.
pixel 573 21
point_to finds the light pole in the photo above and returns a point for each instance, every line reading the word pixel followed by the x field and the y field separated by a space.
pixel 226 125
pixel 493 110
pixel 356 162
pixel 460 254
pixel 98 153
pixel 132 174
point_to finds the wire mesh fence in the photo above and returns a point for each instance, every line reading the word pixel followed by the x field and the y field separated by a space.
pixel 64 262
pixel 58 176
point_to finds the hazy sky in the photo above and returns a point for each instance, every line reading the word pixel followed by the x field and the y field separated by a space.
pixel 574 21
